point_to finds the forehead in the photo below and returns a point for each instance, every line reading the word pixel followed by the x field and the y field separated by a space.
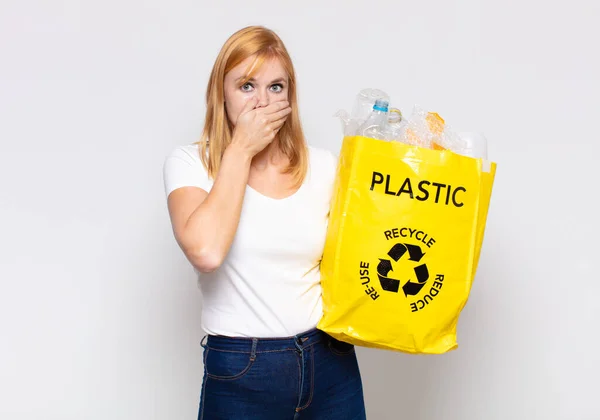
pixel 270 68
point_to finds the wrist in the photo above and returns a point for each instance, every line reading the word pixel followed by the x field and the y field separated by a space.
pixel 239 154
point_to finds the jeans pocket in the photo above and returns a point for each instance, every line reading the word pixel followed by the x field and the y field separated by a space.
pixel 226 365
pixel 340 348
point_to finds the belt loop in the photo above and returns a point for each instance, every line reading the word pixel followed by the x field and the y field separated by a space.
pixel 203 341
pixel 253 353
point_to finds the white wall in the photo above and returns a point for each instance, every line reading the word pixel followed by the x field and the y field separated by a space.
pixel 98 308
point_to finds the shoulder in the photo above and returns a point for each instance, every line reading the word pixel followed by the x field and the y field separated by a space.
pixel 183 167
pixel 189 154
pixel 323 162
pixel 322 170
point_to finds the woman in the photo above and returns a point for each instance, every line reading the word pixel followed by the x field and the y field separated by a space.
pixel 249 208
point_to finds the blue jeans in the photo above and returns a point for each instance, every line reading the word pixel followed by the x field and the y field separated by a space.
pixel 308 376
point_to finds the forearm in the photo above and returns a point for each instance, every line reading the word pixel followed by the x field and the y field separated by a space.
pixel 210 229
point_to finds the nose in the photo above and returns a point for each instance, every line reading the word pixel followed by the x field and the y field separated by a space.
pixel 263 98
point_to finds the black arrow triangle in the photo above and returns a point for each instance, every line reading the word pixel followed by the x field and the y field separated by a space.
pixel 411 288
pixel 397 251
pixel 388 284
pixel 384 267
pixel 415 252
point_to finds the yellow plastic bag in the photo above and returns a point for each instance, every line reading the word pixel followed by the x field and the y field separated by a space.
pixel 403 243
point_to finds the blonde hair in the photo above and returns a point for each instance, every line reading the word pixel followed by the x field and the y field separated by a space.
pixel 217 132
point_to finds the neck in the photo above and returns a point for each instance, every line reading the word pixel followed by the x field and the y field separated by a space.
pixel 269 156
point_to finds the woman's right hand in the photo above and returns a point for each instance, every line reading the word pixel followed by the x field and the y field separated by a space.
pixel 256 128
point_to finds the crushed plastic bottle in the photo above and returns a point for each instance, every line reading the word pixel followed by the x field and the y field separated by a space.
pixel 361 110
pixel 396 125
pixel 376 125
pixel 373 117
pixel 364 102
pixel 473 145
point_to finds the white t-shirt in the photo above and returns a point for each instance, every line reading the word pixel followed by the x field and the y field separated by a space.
pixel 269 283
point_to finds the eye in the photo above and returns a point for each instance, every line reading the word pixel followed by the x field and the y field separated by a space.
pixel 246 87
pixel 277 88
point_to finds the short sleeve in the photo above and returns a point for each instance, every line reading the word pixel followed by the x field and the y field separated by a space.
pixel 332 170
pixel 330 166
pixel 183 168
pixel 323 169
pixel 333 161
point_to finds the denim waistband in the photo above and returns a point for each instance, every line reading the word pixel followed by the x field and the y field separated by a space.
pixel 258 345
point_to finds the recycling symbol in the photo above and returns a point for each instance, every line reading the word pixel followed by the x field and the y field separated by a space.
pixel 396 253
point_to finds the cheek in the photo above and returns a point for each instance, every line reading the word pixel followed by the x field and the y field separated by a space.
pixel 234 103
pixel 232 107
pixel 282 96
pixel 232 112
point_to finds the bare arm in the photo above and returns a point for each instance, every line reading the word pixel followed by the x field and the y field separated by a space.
pixel 204 223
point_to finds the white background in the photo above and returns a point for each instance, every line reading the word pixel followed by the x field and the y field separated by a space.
pixel 99 311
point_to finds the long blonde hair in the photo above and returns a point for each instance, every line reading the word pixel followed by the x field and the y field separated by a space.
pixel 217 132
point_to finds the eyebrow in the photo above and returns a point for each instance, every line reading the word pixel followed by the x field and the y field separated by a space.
pixel 279 80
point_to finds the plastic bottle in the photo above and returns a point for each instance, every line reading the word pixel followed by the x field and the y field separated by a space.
pixel 363 104
pixel 474 145
pixel 396 125
pixel 377 124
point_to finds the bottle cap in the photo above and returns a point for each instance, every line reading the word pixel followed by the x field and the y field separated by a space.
pixel 381 105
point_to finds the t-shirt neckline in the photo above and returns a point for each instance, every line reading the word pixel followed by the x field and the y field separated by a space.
pixel 276 200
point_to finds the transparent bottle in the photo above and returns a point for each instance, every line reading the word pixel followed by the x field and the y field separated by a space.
pixel 474 145
pixel 363 104
pixel 376 125
pixel 396 125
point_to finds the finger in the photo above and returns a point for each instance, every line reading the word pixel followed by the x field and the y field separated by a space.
pixel 276 107
pixel 278 124
pixel 280 114
pixel 249 105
